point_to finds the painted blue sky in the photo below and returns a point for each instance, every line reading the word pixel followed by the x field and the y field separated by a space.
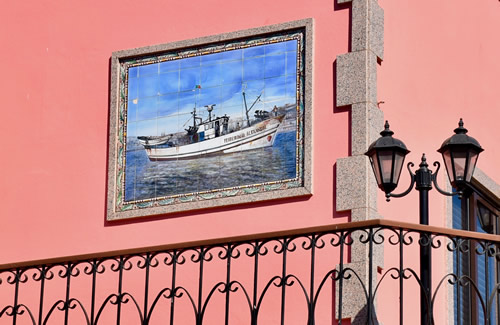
pixel 161 96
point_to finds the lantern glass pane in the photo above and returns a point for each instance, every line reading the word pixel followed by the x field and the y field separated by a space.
pixel 449 165
pixel 485 217
pixel 459 160
pixel 375 166
pixel 399 158
pixel 472 165
pixel 386 165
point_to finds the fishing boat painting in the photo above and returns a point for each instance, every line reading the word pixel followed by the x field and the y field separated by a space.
pixel 212 121
pixel 213 136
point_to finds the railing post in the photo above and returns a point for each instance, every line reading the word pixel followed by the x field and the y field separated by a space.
pixel 283 280
pixel 147 260
pixel 120 283
pixel 370 279
pixel 174 270
pixel 43 271
pixel 341 275
pixel 200 287
pixel 229 248
pixel 15 308
pixel 95 265
pixel 255 282
pixel 310 307
pixel 401 275
pixel 69 271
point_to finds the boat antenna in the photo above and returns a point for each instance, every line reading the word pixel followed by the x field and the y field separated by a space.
pixel 194 116
pixel 210 108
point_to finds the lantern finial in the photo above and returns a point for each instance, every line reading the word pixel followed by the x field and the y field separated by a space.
pixel 423 163
pixel 386 131
pixel 461 129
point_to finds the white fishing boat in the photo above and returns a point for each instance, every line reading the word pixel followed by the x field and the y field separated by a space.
pixel 154 140
pixel 214 136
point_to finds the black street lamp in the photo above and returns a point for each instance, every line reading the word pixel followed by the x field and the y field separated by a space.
pixel 460 153
pixel 387 155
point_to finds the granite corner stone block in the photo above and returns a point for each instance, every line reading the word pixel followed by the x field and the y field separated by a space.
pixel 356 78
pixel 351 189
pixel 376 25
pixel 367 27
pixel 371 95
pixel 354 304
pixel 361 214
pixel 360 251
pixel 360 25
pixel 366 124
pixel 375 123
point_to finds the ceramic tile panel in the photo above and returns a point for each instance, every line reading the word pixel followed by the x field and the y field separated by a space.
pixel 214 120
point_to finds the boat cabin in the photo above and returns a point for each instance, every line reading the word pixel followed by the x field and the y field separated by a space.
pixel 212 128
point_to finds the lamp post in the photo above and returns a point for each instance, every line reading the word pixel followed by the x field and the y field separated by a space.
pixel 387 154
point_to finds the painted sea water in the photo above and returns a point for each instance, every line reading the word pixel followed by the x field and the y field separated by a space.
pixel 145 179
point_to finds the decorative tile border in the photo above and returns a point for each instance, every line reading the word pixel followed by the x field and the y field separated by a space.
pixel 118 208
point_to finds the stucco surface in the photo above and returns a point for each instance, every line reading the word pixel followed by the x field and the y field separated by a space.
pixel 440 64
pixel 55 93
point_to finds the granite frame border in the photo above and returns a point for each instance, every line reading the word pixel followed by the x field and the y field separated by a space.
pixel 305 190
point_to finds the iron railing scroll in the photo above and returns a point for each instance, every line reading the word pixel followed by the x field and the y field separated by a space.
pixel 299 276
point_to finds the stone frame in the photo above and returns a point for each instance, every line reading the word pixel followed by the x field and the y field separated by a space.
pixel 261 192
pixel 356 189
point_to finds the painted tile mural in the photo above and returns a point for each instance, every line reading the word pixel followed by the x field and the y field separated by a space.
pixel 210 122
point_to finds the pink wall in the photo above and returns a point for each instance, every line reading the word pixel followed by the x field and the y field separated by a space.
pixel 441 64
pixel 55 92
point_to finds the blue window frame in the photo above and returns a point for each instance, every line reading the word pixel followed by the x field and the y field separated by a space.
pixel 482 269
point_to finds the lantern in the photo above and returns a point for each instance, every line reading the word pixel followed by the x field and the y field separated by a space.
pixel 387 155
pixel 460 153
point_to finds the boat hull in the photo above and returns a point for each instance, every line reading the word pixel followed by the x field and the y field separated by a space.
pixel 257 136
pixel 154 140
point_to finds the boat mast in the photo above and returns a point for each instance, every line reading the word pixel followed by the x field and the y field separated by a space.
pixel 194 109
pixel 194 117
pixel 249 109
pixel 193 129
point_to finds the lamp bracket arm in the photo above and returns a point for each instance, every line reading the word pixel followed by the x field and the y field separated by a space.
pixel 434 181
pixel 412 178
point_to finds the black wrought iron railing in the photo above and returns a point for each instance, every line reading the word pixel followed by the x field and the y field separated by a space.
pixel 308 276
